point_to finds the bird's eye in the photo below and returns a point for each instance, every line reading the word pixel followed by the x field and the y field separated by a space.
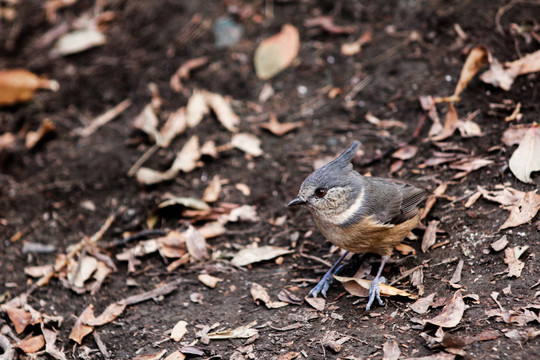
pixel 320 192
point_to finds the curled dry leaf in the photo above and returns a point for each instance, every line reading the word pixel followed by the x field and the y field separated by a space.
pixel 386 290
pixel 522 206
pixel 514 134
pixel 31 344
pixel 196 244
pixel 500 244
pixel 223 110
pixel 277 52
pixel 175 125
pixel 34 137
pixel 187 202
pixel 209 280
pixel 20 318
pixel 504 76
pixel 80 329
pixel 468 165
pixel 478 57
pixel 183 72
pixel 430 235
pixel 78 41
pixel 109 314
pixel 19 85
pixel 452 312
pixel 196 108
pixel 316 303
pixel 241 332
pixel 438 192
pixel 422 305
pixel 179 330
pixel 82 271
pixel 50 338
pixel 391 350
pixel 252 255
pixel 259 293
pixel 451 123
pixel 406 152
pixel 148 122
pixel 280 129
pixel 526 158
pixel 212 191
pixel 248 143
pixel 511 258
pixel 428 104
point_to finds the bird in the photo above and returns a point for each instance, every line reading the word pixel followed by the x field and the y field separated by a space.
pixel 359 214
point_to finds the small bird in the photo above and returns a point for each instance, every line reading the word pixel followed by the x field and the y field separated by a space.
pixel 359 214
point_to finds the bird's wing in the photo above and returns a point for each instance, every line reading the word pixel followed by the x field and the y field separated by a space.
pixel 400 200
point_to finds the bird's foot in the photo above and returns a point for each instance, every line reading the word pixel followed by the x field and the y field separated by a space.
pixel 374 292
pixel 323 285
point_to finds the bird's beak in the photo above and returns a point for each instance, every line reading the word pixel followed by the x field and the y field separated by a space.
pixel 296 201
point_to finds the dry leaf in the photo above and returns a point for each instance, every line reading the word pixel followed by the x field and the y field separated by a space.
pixel 183 72
pixel 248 143
pixel 187 202
pixel 252 255
pixel 391 350
pixel 468 165
pixel 451 123
pixel 428 104
pixel 526 158
pixel 243 188
pixel 349 49
pixel 179 330
pixel 175 125
pixel 20 318
pixel 80 330
pixel 7 141
pixel 31 344
pixel 316 303
pixel 50 339
pixel 156 356
pixel 33 137
pixel 522 206
pixel 528 64
pixel 109 314
pixel 432 199
pixel 176 355
pixel 280 129
pixel 212 229
pixel 327 23
pixel 429 235
pixel 243 213
pixel 277 52
pixel 384 124
pixel 406 152
pixel 500 244
pixel 104 118
pixel 78 41
pixel 196 244
pixel 19 85
pixel 241 332
pixel 498 76
pixel 212 191
pixel 438 356
pixel 209 149
pixel 452 312
pixel 511 258
pixel 514 134
pixel 259 293
pixel 82 271
pixel 196 108
pixel 209 280
pixel 405 249
pixel 386 290
pixel 148 122
pixel 223 110
pixel 422 305
pixel 478 57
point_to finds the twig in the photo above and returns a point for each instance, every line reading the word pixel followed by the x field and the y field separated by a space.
pixel 405 274
pixel 105 118
pixel 101 346
pixel 311 257
pixel 142 160
pixel 358 87
pixel 139 235
pixel 162 290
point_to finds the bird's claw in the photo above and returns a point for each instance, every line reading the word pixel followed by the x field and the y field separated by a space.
pixel 374 292
pixel 323 285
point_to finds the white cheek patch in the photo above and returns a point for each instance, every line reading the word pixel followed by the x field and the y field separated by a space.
pixel 344 216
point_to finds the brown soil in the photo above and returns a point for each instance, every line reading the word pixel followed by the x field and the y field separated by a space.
pixel 41 190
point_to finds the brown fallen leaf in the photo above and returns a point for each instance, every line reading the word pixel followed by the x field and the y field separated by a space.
pixel 213 190
pixel 391 350
pixel 280 129
pixel 80 330
pixel 20 318
pixel 349 49
pixel 432 199
pixel 34 137
pixel 248 143
pixel 522 206
pixel 196 244
pixel 110 313
pixel 31 344
pixel 504 76
pixel 183 72
pixel 82 271
pixel 514 134
pixel 428 104
pixel 422 305
pixel 405 249
pixel 223 110
pixel 451 123
pixel 429 235
pixel 259 293
pixel 386 290
pixel 511 258
pixel 478 57
pixel 156 356
pixel 468 165
pixel 241 332
pixel 500 244
pixel 179 330
pixel 316 303
pixel 327 23
pixel 212 229
pixel 50 338
pixel 277 52
pixel 209 280
pixel 196 108
pixel 384 124
pixel 147 121
pixel 406 152
pixel 452 312
pixel 526 158
pixel 176 355
pixel 19 85
pixel 528 64
pixel 7 141
pixel 250 255
pixel 174 126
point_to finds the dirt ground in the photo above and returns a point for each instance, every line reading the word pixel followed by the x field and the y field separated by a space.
pixel 65 188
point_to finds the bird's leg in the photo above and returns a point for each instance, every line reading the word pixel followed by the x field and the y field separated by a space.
pixel 374 291
pixel 324 283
